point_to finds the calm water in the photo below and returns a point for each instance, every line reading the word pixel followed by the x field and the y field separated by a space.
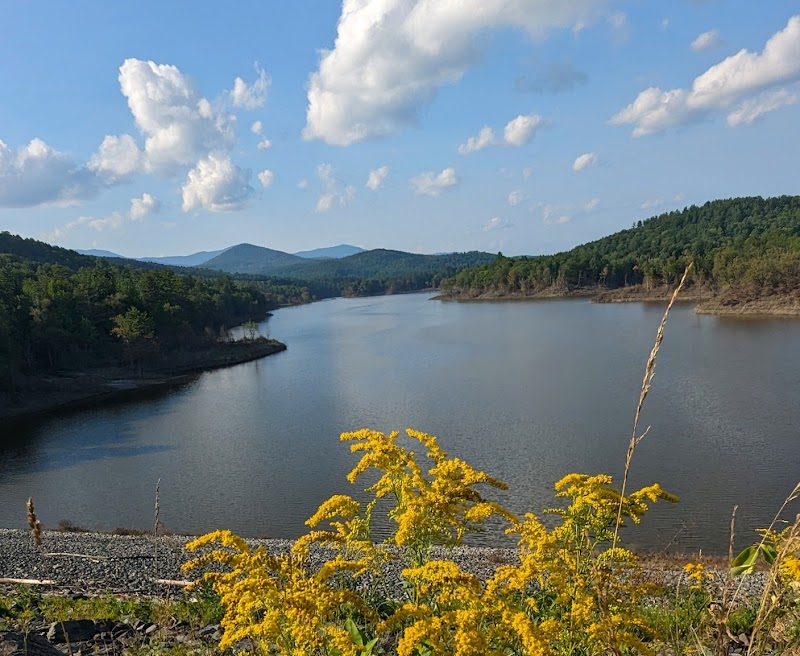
pixel 525 390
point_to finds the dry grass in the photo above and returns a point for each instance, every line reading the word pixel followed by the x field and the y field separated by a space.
pixel 34 524
pixel 647 380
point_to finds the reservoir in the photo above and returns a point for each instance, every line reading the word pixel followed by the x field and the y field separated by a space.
pixel 527 391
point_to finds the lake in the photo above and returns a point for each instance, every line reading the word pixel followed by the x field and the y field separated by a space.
pixel 527 391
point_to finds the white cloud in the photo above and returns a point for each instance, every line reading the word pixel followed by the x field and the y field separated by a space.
pixel 585 161
pixel 754 108
pixel 144 206
pixel 37 174
pixel 179 126
pixel 116 158
pixel 733 81
pixel 250 96
pixel 665 23
pixel 517 132
pixel 516 197
pixel 218 185
pixel 431 184
pixel 331 193
pixel 376 177
pixel 474 144
pixel 265 177
pixel 302 184
pixel 592 204
pixel 651 203
pixel 390 57
pixel 554 214
pixel 325 202
pixel 496 223
pixel 520 130
pixel 527 172
pixel 257 127
pixel 264 144
pixel 706 41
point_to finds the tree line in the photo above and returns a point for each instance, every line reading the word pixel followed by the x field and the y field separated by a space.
pixel 56 316
pixel 743 243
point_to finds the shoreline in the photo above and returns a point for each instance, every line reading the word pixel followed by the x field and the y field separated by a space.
pixel 84 388
pixel 705 302
pixel 96 563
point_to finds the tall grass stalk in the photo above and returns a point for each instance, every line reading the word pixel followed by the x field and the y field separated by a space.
pixel 649 372
pixel 34 524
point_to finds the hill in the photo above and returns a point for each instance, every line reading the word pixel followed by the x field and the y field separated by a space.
pixel 250 259
pixel 335 252
pixel 744 248
pixel 95 252
pixel 195 259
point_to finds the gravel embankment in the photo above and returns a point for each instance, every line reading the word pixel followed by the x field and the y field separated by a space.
pixel 95 563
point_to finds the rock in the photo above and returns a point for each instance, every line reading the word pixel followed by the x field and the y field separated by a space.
pixel 151 629
pixel 15 643
pixel 71 631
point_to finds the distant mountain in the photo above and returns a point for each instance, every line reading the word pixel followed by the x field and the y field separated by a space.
pixel 334 252
pixel 94 252
pixel 378 263
pixel 257 260
pixel 195 259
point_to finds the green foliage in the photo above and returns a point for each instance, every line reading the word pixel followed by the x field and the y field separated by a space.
pixel 76 312
pixel 752 244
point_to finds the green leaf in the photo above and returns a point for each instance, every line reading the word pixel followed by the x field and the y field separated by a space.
pixel 355 634
pixel 769 552
pixel 745 562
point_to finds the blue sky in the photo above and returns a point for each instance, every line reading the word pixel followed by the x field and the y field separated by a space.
pixel 526 126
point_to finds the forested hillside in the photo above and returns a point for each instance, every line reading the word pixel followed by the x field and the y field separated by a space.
pixel 60 310
pixel 750 244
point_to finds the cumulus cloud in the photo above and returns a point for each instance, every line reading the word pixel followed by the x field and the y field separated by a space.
pixel 517 132
pixel 516 197
pixel 265 177
pixel 302 184
pixel 555 77
pixel 331 192
pixel 706 41
pixel 218 185
pixel 585 161
pixel 390 57
pixel 250 96
pixel 496 223
pixel 264 144
pixel 144 206
pixel 431 184
pixel 754 108
pixel 520 130
pixel 116 158
pixel 376 177
pixel 727 86
pixel 474 144
pixel 257 127
pixel 37 174
pixel 179 126
pixel 592 204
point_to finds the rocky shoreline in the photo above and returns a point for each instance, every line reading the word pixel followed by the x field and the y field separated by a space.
pixel 84 566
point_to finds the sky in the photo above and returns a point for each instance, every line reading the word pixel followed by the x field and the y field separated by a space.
pixel 523 126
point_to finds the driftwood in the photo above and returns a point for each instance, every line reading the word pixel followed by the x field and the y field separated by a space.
pixel 28 581
pixel 74 555
pixel 180 584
